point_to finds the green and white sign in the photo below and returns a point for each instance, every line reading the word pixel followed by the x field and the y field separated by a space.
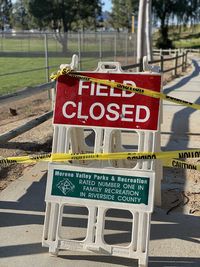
pixel 98 186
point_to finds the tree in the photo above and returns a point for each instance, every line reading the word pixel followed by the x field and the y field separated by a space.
pixel 5 13
pixel 189 10
pixel 122 11
pixel 166 11
pixel 61 15
pixel 163 10
pixel 20 16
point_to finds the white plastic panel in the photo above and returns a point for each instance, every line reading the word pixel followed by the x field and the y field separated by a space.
pixel 69 139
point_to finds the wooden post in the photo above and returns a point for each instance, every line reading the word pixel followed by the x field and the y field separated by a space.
pixel 183 60
pixel 161 63
pixel 186 53
pixel 25 127
pixel 141 65
pixel 175 64
pixel 26 92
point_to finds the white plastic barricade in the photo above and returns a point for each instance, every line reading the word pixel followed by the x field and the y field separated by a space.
pixel 96 119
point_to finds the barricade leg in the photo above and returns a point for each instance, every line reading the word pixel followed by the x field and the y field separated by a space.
pixel 90 238
pixel 50 227
pixel 143 238
pixel 158 171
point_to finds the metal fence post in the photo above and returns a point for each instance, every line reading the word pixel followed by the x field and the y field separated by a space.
pixel 79 51
pixel 2 42
pixel 46 57
pixel 135 48
pixel 126 48
pixel 28 43
pixel 100 46
pixel 47 61
pixel 115 47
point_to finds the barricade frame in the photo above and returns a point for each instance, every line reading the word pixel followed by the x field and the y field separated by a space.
pixel 64 141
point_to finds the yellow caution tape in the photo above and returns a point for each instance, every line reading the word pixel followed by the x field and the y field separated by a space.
pixel 174 163
pixel 138 90
pixel 166 156
pixel 179 154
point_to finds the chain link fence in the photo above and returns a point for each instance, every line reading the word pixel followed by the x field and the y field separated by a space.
pixel 27 59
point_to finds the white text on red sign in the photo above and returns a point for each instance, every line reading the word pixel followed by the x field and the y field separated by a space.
pixel 84 103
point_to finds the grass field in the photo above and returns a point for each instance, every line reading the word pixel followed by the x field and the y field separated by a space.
pixel 10 83
pixel 27 45
pixel 186 37
pixel 182 37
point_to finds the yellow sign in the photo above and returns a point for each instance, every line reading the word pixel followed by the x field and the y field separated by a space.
pixel 133 24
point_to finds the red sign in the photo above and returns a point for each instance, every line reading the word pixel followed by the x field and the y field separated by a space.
pixel 82 103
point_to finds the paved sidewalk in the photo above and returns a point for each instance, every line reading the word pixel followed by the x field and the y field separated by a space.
pixel 175 238
pixel 180 128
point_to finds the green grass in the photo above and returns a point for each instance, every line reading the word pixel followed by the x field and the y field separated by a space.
pixel 14 82
pixel 189 43
pixel 15 44
pixel 184 37
pixel 10 83
pixel 27 45
pixel 188 38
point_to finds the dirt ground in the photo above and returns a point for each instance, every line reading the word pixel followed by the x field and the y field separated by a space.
pixel 36 141
pixel 39 140
pixel 183 190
